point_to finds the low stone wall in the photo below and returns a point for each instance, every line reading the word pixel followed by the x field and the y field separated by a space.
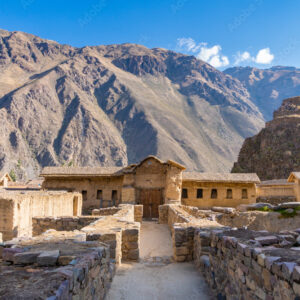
pixel 244 264
pixel 58 270
pixel 258 220
pixel 120 231
pixel 105 211
pixel 183 225
pixel 42 224
pixel 138 213
pixel 130 243
pixel 275 199
pixel 183 242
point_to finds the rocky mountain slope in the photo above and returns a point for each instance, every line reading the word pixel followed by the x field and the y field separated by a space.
pixel 114 105
pixel 274 152
pixel 268 87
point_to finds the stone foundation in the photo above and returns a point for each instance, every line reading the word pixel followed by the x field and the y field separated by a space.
pixel 243 264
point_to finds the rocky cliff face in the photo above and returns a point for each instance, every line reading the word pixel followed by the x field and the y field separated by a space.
pixel 114 105
pixel 268 87
pixel 274 152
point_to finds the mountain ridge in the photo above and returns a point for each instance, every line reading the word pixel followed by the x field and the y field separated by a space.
pixel 114 105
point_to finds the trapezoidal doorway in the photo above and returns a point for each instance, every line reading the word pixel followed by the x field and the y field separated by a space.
pixel 150 199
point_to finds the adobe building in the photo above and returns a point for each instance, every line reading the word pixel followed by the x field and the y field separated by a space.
pixel 295 178
pixel 276 191
pixel 4 179
pixel 151 183
pixel 205 190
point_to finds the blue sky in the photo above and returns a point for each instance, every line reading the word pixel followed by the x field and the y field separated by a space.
pixel 261 33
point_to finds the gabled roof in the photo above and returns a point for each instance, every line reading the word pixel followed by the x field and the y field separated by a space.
pixel 4 174
pixel 221 177
pixel 170 162
pixel 80 171
pixel 275 182
pixel 293 176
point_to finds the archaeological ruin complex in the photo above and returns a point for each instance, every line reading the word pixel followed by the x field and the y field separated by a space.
pixel 68 239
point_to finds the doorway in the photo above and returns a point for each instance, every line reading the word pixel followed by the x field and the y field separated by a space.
pixel 150 199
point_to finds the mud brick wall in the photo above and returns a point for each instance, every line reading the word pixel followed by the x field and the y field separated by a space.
pixel 42 224
pixel 138 213
pixel 131 243
pixel 244 264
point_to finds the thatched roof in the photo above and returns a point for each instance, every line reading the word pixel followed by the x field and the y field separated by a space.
pixel 80 171
pixel 221 177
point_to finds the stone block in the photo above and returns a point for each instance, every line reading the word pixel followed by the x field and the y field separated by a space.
pixel 267 240
pixel 8 253
pixel 287 269
pixel 269 260
pixel 65 260
pixel 133 254
pixel 48 258
pixel 25 258
pixel 296 274
pixel 181 251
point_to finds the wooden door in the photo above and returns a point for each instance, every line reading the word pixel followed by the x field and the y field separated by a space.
pixel 151 199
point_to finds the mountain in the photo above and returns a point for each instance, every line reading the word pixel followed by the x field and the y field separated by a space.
pixel 114 105
pixel 268 87
pixel 274 152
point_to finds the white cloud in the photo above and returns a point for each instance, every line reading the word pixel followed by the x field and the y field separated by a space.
pixel 242 57
pixel 211 55
pixel 264 56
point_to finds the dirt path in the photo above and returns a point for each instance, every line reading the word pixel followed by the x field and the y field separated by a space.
pixel 156 277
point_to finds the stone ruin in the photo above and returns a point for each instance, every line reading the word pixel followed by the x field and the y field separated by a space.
pixel 76 257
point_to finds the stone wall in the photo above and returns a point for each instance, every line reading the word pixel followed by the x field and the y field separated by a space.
pixel 130 243
pixel 58 270
pixel 138 213
pixel 105 211
pixel 258 220
pixel 244 264
pixel 183 225
pixel 17 209
pixel 42 224
pixel 275 199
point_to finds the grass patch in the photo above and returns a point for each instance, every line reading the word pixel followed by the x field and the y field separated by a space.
pixel 283 211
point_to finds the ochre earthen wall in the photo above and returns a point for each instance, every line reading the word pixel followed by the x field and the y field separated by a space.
pixel 91 186
pixel 19 209
pixel 206 201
